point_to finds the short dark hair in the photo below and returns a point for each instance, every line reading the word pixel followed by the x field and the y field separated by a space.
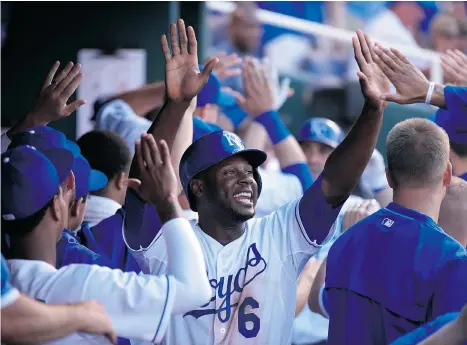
pixel 106 151
pixel 21 227
pixel 459 149
pixel 417 153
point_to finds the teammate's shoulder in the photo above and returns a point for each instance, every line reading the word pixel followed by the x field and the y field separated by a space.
pixel 30 266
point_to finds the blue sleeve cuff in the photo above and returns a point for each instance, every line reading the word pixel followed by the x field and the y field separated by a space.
pixel 302 171
pixel 273 124
pixel 316 214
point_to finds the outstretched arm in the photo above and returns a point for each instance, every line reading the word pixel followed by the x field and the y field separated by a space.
pixel 412 86
pixel 27 321
pixel 346 163
pixel 259 104
pixel 183 82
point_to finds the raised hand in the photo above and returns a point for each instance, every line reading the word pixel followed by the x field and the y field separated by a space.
pixel 359 212
pixel 51 104
pixel 158 183
pixel 258 89
pixel 228 65
pixel 182 76
pixel 94 320
pixel 454 65
pixel 373 82
pixel 410 83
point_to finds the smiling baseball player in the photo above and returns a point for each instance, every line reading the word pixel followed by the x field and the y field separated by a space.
pixel 252 263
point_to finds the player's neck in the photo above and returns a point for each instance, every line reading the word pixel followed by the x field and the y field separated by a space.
pixel 422 200
pixel 220 228
pixel 461 167
pixel 36 245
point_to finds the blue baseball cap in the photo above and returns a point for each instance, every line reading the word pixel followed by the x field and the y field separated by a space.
pixel 87 179
pixel 201 128
pixel 212 93
pixel 30 179
pixel 44 139
pixel 321 130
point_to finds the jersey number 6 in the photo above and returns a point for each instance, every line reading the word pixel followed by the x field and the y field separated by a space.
pixel 243 318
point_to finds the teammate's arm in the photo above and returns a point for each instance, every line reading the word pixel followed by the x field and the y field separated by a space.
pixel 412 86
pixel 304 284
pixel 27 321
pixel 174 123
pixel 144 99
pixel 259 103
pixel 183 83
pixel 51 104
pixel 347 162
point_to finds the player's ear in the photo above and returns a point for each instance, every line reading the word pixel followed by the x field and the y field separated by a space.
pixel 120 181
pixel 197 187
pixel 388 177
pixel 76 208
pixel 447 175
pixel 55 206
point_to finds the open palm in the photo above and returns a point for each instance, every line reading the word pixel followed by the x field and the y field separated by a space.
pixel 183 78
pixel 373 82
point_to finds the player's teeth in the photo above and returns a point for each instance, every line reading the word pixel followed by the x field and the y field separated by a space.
pixel 248 195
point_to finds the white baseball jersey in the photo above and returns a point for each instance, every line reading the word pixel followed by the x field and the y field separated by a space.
pixel 253 280
pixel 278 190
pixel 138 305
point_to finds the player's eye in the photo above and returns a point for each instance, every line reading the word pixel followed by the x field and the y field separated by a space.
pixel 229 172
pixel 249 172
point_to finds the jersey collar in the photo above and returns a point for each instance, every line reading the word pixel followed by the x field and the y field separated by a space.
pixel 408 212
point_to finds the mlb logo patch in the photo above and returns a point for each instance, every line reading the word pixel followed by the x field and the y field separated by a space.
pixel 387 222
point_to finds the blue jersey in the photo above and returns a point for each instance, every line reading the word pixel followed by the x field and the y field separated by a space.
pixel 423 332
pixel 106 238
pixel 70 251
pixel 391 273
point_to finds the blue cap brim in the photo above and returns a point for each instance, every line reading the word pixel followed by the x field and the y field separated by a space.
pixel 97 180
pixel 62 159
pixel 73 148
pixel 226 99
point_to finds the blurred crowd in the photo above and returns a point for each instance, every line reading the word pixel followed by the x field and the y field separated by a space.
pixel 192 215
pixel 438 26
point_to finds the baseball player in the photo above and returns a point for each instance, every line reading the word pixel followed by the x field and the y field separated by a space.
pixel 318 137
pixel 247 256
pixel 46 140
pixel 397 267
pixel 413 87
pixel 34 213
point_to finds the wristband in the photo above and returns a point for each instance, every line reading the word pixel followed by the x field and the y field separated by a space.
pixel 274 126
pixel 429 93
pixel 235 114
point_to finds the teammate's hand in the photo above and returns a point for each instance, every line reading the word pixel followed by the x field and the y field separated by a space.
pixel 51 104
pixel 454 65
pixel 359 212
pixel 228 66
pixel 410 83
pixel 461 324
pixel 93 319
pixel 373 82
pixel 159 183
pixel 259 93
pixel 182 76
